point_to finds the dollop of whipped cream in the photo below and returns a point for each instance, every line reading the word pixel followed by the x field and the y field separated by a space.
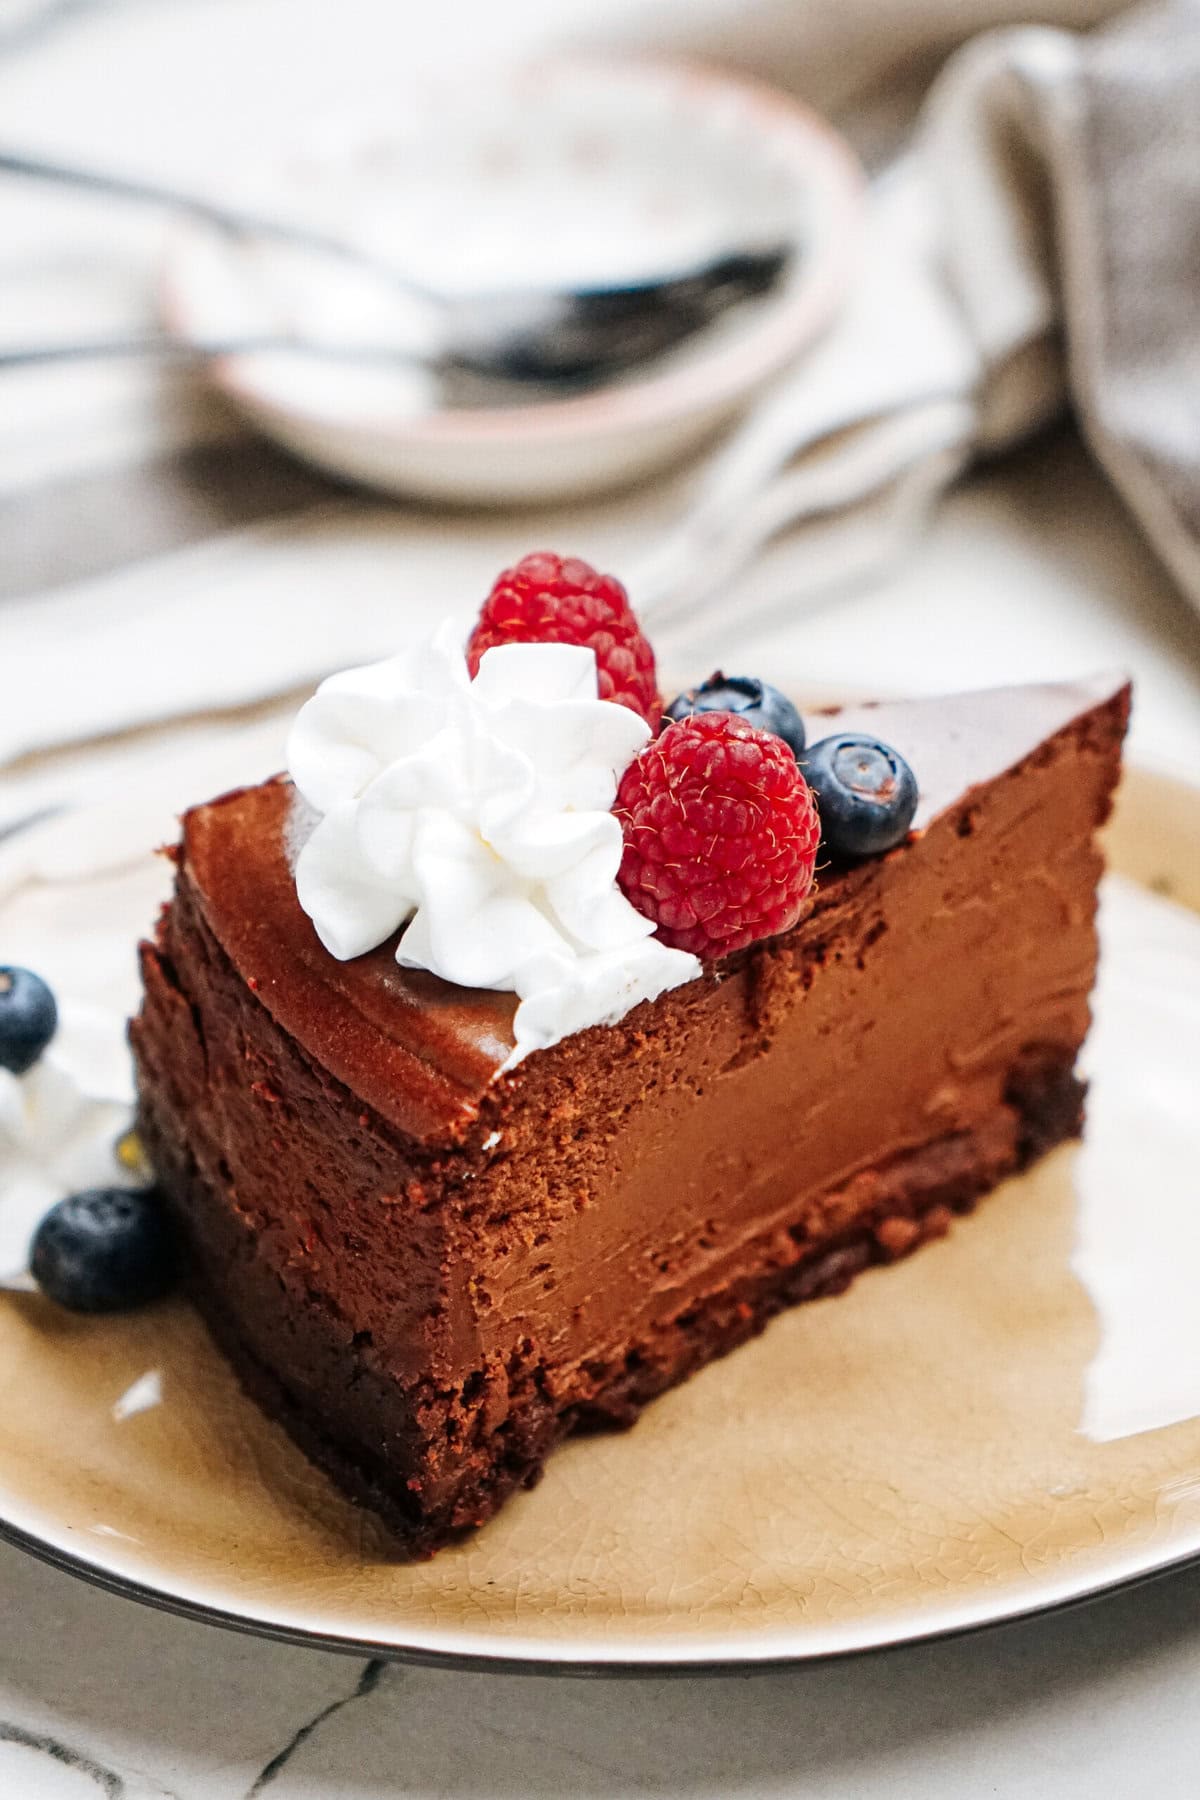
pixel 59 1124
pixel 477 814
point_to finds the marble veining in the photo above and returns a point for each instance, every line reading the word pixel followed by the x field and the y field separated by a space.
pixel 368 1680
pixel 107 1780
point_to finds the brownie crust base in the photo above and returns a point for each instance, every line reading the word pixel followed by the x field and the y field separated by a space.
pixel 918 1197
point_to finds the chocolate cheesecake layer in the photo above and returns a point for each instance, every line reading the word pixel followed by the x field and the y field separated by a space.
pixel 430 1274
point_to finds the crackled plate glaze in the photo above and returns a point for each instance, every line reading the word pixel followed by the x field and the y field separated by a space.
pixel 900 1462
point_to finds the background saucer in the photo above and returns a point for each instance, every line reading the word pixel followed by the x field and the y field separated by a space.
pixel 900 1462
pixel 568 170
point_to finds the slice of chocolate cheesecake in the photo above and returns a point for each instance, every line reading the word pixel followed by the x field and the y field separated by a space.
pixel 430 1272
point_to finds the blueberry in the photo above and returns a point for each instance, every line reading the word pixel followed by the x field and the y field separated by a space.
pixel 866 794
pixel 104 1250
pixel 748 697
pixel 28 1018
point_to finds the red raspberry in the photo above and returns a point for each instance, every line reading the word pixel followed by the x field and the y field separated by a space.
pixel 551 599
pixel 721 834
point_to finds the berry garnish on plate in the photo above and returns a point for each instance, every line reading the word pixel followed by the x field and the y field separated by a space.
pixel 130 1152
pixel 28 1019
pixel 721 834
pixel 104 1250
pixel 548 599
pixel 866 793
pixel 749 698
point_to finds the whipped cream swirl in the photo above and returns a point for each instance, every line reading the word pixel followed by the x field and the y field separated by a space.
pixel 59 1123
pixel 477 814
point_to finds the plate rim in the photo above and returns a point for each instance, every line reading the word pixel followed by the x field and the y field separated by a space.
pixel 748 1653
pixel 542 1662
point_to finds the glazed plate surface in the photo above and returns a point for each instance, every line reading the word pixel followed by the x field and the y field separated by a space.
pixel 900 1462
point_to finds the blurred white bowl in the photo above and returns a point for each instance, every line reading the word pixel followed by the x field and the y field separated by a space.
pixel 563 173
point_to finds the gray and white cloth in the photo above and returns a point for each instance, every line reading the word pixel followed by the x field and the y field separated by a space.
pixel 1038 246
pixel 1066 171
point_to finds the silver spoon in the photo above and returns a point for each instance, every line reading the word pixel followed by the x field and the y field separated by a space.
pixel 568 338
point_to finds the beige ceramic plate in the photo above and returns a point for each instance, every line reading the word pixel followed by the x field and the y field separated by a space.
pixel 897 1463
